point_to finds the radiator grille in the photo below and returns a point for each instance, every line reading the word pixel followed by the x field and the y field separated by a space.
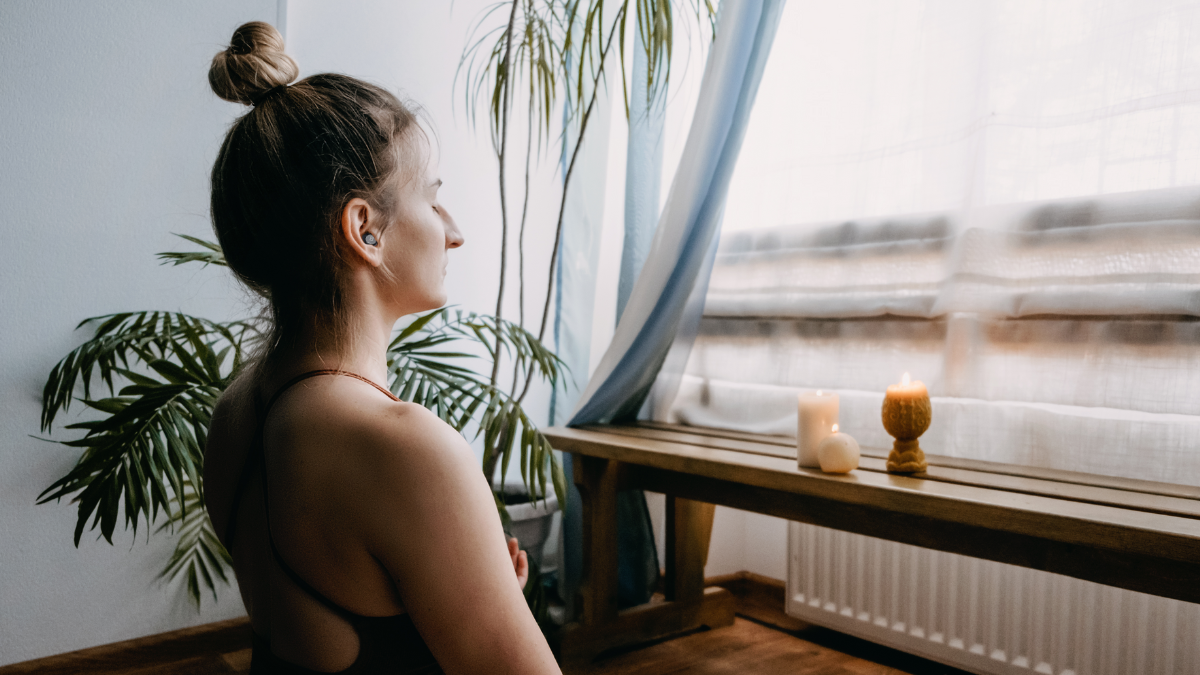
pixel 983 616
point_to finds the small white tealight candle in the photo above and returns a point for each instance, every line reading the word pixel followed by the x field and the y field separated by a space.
pixel 838 452
pixel 816 413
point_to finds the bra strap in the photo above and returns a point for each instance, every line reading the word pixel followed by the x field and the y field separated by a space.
pixel 314 373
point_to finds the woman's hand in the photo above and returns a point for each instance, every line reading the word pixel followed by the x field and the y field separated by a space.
pixel 520 562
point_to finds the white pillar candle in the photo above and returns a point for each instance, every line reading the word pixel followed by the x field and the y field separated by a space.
pixel 838 452
pixel 816 412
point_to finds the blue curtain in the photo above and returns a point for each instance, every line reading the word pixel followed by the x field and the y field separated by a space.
pixel 575 292
pixel 663 308
pixel 690 222
pixel 643 175
pixel 638 574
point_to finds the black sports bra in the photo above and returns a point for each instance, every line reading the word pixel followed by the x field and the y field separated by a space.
pixel 387 644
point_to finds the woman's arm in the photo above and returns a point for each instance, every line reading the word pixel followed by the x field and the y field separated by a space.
pixel 432 522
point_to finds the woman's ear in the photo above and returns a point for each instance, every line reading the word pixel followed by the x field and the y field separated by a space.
pixel 359 229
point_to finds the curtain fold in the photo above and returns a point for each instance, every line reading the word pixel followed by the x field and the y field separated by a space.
pixel 643 173
pixel 1127 253
pixel 691 220
pixel 664 305
pixel 576 278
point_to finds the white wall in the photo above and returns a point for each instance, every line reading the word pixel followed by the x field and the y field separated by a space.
pixel 742 540
pixel 107 132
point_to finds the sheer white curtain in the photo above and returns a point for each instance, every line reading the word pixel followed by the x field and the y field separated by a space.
pixel 1001 198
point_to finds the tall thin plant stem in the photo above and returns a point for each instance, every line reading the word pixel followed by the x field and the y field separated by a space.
pixel 521 245
pixel 502 156
pixel 547 37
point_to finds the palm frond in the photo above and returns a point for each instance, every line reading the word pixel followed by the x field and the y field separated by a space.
pixel 163 373
pixel 561 47
pixel 212 255
pixel 120 340
pixel 198 556
pixel 491 66
pixel 426 372
pixel 149 446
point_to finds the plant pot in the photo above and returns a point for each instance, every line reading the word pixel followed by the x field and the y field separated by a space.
pixel 531 525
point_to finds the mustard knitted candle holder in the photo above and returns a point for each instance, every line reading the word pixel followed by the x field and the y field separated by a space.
pixel 906 418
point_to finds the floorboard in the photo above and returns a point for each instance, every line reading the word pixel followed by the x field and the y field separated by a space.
pixel 745 647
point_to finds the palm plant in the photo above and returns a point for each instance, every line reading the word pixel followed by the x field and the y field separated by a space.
pixel 547 49
pixel 158 376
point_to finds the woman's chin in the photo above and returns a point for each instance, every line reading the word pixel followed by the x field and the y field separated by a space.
pixel 429 303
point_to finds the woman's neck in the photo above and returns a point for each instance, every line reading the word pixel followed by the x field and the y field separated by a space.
pixel 360 344
pixel 359 347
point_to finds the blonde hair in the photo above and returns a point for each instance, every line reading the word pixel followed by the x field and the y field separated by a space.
pixel 252 65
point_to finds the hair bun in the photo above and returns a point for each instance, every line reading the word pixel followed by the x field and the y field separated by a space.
pixel 253 65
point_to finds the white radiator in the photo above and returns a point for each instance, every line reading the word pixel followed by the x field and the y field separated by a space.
pixel 982 616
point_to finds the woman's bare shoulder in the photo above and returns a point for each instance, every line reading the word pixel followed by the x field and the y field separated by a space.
pixel 352 415
pixel 366 443
pixel 233 417
pixel 346 409
pixel 401 444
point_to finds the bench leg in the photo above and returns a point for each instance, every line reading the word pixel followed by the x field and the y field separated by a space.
pixel 689 530
pixel 598 483
pixel 688 604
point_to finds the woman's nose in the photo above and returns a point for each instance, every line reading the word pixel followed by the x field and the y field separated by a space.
pixel 454 238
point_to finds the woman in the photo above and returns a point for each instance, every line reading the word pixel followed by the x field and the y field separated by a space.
pixel 364 536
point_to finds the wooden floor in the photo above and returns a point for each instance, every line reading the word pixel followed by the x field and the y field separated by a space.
pixel 222 647
pixel 750 647
pixel 762 641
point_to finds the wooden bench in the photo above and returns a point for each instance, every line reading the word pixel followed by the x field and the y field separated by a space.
pixel 1132 534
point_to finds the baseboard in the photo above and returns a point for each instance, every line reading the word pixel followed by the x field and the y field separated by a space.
pixel 759 598
pixel 227 641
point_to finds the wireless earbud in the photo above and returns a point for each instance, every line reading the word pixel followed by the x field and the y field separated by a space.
pixel 370 240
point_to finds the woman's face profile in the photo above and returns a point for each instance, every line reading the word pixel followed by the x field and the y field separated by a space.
pixel 416 245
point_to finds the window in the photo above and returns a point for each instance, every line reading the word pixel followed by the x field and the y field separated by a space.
pixel 1001 198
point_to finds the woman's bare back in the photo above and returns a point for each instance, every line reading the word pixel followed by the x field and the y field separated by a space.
pixel 304 450
pixel 382 508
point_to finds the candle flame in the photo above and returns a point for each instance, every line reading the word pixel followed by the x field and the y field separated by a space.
pixel 835 428
pixel 905 380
